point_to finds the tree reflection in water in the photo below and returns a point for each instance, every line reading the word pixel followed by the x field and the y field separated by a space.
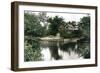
pixel 53 47
pixel 60 50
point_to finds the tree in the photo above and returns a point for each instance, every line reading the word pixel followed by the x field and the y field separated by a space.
pixel 55 23
pixel 32 25
pixel 42 16
pixel 84 26
pixel 43 21
pixel 69 30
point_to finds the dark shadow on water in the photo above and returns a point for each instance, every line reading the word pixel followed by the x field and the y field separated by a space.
pixel 54 52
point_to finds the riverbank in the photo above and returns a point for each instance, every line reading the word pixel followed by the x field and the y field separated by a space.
pixel 59 39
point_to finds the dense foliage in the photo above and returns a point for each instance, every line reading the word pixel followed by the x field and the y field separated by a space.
pixel 32 25
pixel 84 26
pixel 32 51
pixel 55 23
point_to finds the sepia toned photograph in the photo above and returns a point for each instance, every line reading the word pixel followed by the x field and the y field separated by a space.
pixel 52 36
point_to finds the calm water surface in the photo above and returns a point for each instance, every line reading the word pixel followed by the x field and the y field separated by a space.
pixel 60 50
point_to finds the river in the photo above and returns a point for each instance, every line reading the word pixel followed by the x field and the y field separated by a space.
pixel 59 50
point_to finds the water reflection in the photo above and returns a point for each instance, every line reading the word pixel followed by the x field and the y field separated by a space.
pixel 60 50
pixel 56 50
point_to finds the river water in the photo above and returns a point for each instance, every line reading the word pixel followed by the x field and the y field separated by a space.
pixel 59 50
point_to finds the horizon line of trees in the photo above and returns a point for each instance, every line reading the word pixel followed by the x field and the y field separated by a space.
pixel 42 25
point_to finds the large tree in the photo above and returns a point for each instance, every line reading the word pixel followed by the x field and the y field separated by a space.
pixel 84 26
pixel 55 23
pixel 32 25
